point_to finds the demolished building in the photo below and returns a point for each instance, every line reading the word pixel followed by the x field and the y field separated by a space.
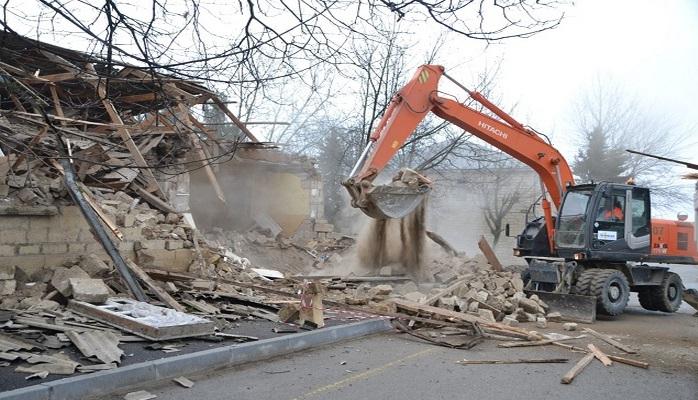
pixel 133 136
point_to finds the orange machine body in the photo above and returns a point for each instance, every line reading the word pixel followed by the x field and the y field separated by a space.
pixel 674 238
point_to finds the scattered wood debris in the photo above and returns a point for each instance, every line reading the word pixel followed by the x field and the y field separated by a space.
pixel 577 369
pixel 517 361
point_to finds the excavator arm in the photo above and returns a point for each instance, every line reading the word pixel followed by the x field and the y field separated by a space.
pixel 410 106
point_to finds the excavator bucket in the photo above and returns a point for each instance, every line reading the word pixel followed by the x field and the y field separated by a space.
pixel 394 200
pixel 572 307
pixel 388 201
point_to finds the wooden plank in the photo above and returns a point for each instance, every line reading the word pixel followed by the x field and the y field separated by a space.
pixel 113 115
pixel 137 98
pixel 611 341
pixel 60 77
pixel 159 292
pixel 441 313
pixel 600 355
pixel 445 292
pixel 105 218
pixel 153 200
pixel 196 143
pixel 17 103
pixel 622 360
pixel 537 342
pixel 153 185
pixel 518 361
pixel 234 119
pixel 57 104
pixel 489 254
pixel 36 139
pixel 577 369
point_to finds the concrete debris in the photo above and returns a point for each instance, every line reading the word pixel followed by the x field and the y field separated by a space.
pixel 139 395
pixel 7 287
pixel 541 323
pixel 184 382
pixel 61 278
pixel 569 326
pixel 7 272
pixel 95 266
pixel 103 345
pixel 89 290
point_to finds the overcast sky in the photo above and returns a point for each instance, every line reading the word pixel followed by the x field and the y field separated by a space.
pixel 648 48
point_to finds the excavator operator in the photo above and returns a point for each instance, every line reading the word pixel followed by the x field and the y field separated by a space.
pixel 614 214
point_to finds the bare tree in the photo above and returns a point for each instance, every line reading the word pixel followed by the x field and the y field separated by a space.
pixel 501 194
pixel 242 41
pixel 609 121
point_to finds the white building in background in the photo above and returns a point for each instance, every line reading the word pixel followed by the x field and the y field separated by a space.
pixel 461 199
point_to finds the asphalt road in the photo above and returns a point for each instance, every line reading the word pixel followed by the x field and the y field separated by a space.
pixel 393 366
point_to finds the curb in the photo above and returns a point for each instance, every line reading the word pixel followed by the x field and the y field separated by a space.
pixel 105 382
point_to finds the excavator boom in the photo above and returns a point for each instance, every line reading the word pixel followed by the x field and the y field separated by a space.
pixel 408 108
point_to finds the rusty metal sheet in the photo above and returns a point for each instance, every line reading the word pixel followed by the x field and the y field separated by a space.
pixel 100 344
pixel 8 343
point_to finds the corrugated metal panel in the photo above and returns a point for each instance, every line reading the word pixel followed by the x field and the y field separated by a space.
pixel 101 344
pixel 8 343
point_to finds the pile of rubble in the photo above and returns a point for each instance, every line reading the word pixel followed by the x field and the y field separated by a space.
pixel 463 284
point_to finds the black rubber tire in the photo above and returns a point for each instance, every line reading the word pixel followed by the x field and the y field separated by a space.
pixel 583 283
pixel 667 297
pixel 612 291
pixel 646 298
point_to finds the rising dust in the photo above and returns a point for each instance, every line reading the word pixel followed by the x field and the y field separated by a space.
pixel 388 241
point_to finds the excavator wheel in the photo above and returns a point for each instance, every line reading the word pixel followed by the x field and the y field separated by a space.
pixel 612 291
pixel 646 297
pixel 583 283
pixel 665 297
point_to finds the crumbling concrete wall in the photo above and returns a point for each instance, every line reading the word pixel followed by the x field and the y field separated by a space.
pixel 34 242
pixel 287 189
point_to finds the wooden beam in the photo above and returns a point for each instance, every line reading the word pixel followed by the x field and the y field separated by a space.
pixel 445 292
pixel 63 76
pixel 153 185
pixel 159 292
pixel 509 345
pixel 17 103
pixel 98 210
pixel 519 361
pixel 57 104
pixel 441 313
pixel 153 200
pixel 233 118
pixel 600 355
pixel 611 341
pixel 137 98
pixel 113 115
pixel 577 369
pixel 32 143
pixel 489 254
pixel 622 360
pixel 184 117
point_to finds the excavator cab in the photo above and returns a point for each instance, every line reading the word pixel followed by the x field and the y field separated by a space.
pixel 604 221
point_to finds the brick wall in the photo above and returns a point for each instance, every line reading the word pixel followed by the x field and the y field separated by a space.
pixel 35 242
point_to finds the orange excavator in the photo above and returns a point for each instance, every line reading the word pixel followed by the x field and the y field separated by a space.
pixel 590 248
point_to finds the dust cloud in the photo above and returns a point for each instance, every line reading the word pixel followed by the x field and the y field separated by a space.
pixel 384 242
